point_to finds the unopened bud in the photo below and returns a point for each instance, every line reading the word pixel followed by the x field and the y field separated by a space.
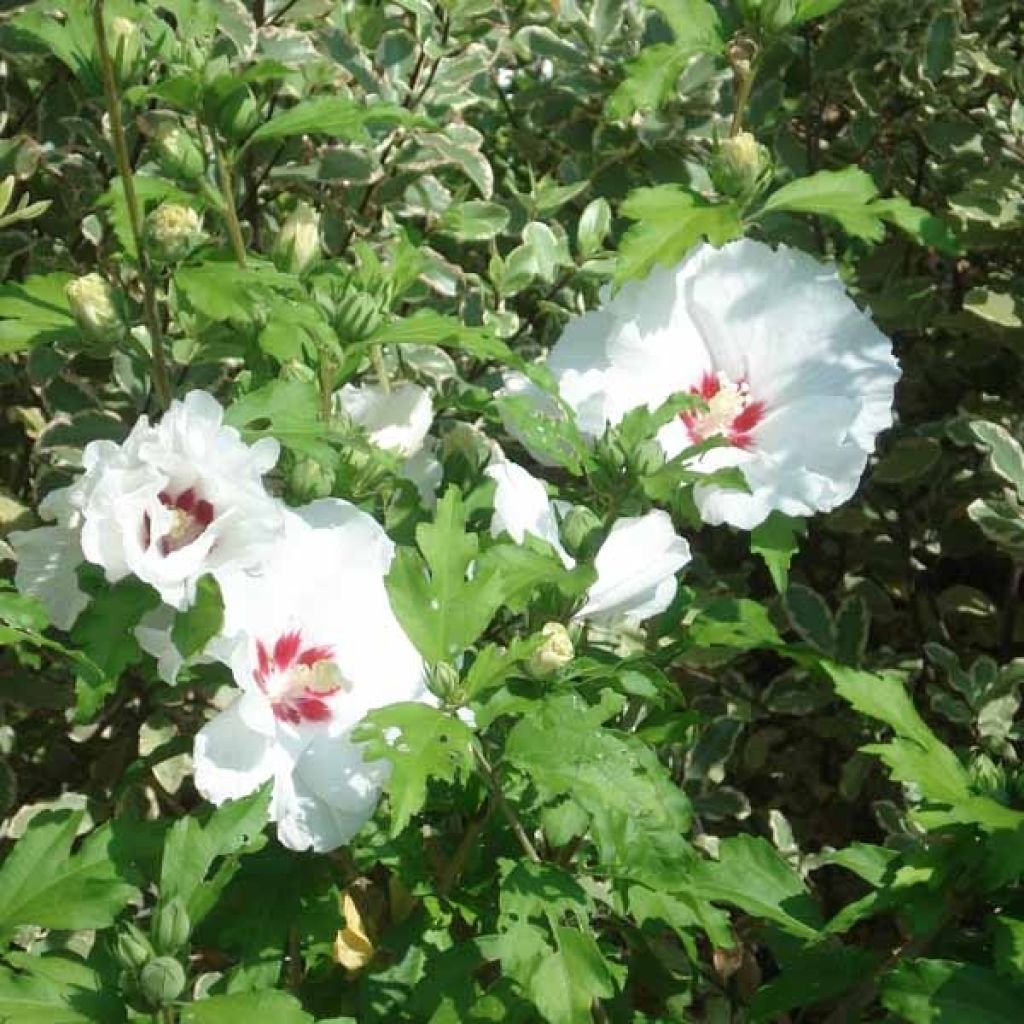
pixel 356 317
pixel 740 165
pixel 177 153
pixel 555 652
pixel 173 231
pixel 298 244
pixel 310 480
pixel 444 681
pixel 171 926
pixel 131 948
pixel 94 307
pixel 162 980
pixel 578 526
pixel 125 43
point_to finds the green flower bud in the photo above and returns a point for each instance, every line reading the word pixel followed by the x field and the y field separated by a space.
pixel 356 318
pixel 466 443
pixel 177 153
pixel 740 165
pixel 171 926
pixel 162 980
pixel 310 480
pixel 578 526
pixel 125 42
pixel 95 309
pixel 444 681
pixel 555 652
pixel 131 949
pixel 173 231
pixel 297 246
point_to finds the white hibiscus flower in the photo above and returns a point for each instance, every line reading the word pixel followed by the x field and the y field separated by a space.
pixel 176 500
pixel 636 565
pixel 317 647
pixel 797 379
pixel 398 421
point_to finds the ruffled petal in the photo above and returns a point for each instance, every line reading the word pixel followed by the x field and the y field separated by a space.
pixel 397 420
pixel 230 760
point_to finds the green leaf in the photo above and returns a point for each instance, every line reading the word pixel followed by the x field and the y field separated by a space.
pixel 1006 457
pixel 554 435
pixel 105 633
pixel 566 983
pixel 246 1008
pixel 615 777
pixel 1001 521
pixel 441 608
pixel 671 221
pixel 524 568
pixel 35 311
pixel 194 628
pixel 808 9
pixel 651 77
pixel 52 989
pixel 428 327
pixel 222 291
pixel 853 624
pixel 1008 943
pixel 43 883
pixel 474 221
pixel 734 622
pixel 775 540
pixel 751 874
pixel 191 849
pixel 493 664
pixel 811 618
pixel 430 745
pixel 330 115
pixel 917 755
pixel 592 230
pixel 843 195
pixel 910 459
pixel 287 410
pixel 946 992
pixel 925 228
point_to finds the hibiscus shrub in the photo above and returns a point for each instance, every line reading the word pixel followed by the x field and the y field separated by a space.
pixel 511 512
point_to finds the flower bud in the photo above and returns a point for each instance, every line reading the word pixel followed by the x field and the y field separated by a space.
pixel 740 165
pixel 177 153
pixel 125 43
pixel 555 652
pixel 578 526
pixel 162 980
pixel 131 948
pixel 171 926
pixel 356 317
pixel 310 480
pixel 173 231
pixel 444 681
pixel 297 246
pixel 94 307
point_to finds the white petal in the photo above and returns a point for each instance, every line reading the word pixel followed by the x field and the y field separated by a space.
pixel 230 760
pixel 396 420
pixel 154 636
pixel 328 797
pixel 425 472
pixel 48 558
pixel 636 569
pixel 521 507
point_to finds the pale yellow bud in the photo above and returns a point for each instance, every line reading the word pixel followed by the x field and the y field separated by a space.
pixel 94 307
pixel 555 652
pixel 739 165
pixel 298 243
pixel 173 231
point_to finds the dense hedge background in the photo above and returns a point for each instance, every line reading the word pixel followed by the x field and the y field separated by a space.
pixel 481 172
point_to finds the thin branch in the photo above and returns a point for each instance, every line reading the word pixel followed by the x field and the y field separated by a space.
pixel 158 363
pixel 511 817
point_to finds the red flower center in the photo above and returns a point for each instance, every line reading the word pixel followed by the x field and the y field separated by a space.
pixel 730 413
pixel 297 679
pixel 190 516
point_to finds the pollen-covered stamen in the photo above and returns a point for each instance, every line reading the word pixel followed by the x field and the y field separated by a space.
pixel 731 412
pixel 190 516
pixel 297 679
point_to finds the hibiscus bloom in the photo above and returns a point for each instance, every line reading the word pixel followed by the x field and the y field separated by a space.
pixel 316 647
pixel 173 502
pixel 797 380
pixel 636 565
pixel 398 421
